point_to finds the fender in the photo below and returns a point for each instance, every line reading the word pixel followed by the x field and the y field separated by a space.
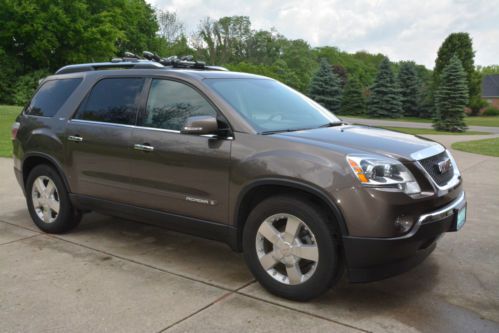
pixel 313 190
pixel 52 160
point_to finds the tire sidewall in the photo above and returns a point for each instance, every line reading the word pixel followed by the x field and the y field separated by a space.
pixel 66 219
pixel 329 261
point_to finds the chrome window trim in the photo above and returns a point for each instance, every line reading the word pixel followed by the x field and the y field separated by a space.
pixel 427 152
pixel 99 123
pixel 211 136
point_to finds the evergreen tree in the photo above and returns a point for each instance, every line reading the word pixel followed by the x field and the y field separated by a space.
pixel 342 74
pixel 325 87
pixel 409 89
pixel 353 102
pixel 384 100
pixel 460 45
pixel 426 105
pixel 451 98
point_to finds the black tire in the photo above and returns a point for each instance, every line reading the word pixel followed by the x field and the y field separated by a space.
pixel 67 218
pixel 329 266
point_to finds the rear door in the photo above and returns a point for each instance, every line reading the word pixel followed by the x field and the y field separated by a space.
pixel 99 139
pixel 174 172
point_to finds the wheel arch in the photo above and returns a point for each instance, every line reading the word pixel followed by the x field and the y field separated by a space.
pixel 259 190
pixel 31 160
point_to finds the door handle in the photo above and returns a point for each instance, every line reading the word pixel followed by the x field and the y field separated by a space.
pixel 143 147
pixel 75 138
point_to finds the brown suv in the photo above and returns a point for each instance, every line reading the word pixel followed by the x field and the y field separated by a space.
pixel 238 158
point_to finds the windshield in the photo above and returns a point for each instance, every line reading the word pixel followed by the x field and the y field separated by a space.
pixel 270 106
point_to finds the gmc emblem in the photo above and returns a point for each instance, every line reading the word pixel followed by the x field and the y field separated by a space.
pixel 444 166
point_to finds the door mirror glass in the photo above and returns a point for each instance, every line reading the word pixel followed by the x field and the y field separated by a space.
pixel 200 125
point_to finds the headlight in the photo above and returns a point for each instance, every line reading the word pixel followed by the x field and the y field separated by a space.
pixel 383 172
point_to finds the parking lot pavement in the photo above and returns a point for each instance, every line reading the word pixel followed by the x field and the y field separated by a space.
pixel 115 275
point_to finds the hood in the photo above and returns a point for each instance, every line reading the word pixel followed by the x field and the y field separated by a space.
pixel 365 139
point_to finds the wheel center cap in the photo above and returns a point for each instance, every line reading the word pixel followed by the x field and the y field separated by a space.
pixel 286 249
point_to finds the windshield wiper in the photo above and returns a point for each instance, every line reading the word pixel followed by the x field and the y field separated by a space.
pixel 281 131
pixel 336 123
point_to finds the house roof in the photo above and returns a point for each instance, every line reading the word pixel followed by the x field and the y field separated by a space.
pixel 490 86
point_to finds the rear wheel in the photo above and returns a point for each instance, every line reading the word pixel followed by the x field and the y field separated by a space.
pixel 48 201
pixel 289 246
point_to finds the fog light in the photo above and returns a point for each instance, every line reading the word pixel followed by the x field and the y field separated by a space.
pixel 403 223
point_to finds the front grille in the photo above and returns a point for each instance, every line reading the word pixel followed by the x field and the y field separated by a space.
pixel 430 164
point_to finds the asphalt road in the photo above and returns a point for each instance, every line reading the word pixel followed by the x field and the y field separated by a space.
pixel 113 275
pixel 395 123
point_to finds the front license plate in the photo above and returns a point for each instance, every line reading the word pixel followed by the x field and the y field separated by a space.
pixel 461 217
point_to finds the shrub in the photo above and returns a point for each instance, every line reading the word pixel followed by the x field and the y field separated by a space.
pixel 491 111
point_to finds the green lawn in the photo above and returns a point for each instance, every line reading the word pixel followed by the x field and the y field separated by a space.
pixel 417 131
pixel 470 121
pixel 8 115
pixel 410 119
pixel 488 147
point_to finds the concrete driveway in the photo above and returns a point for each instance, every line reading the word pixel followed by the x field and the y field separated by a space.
pixel 113 275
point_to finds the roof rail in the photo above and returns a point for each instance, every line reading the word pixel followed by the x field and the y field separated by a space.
pixel 132 61
pixel 122 64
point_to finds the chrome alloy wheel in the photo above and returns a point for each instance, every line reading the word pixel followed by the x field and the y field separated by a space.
pixel 45 199
pixel 287 249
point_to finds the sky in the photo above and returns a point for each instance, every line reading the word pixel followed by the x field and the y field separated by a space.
pixel 402 30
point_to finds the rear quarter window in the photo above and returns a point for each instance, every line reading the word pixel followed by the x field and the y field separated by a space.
pixel 51 96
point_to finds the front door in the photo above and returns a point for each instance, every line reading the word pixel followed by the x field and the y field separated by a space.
pixel 173 172
pixel 99 140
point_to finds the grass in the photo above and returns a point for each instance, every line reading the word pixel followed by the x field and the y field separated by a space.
pixel 490 121
pixel 8 115
pixel 417 131
pixel 410 119
pixel 489 147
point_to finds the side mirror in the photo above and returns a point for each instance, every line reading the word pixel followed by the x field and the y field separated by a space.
pixel 200 125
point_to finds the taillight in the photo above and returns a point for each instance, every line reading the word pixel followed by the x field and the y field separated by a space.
pixel 15 128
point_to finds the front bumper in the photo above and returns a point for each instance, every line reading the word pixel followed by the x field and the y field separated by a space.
pixel 370 259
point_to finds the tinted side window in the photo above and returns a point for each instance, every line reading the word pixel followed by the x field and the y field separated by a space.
pixel 112 101
pixel 170 103
pixel 50 97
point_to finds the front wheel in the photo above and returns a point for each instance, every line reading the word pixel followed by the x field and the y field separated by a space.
pixel 289 246
pixel 48 201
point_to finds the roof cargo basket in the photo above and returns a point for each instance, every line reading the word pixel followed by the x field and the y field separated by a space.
pixel 133 61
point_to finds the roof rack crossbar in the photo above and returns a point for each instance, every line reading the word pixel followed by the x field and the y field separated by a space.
pixel 132 61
